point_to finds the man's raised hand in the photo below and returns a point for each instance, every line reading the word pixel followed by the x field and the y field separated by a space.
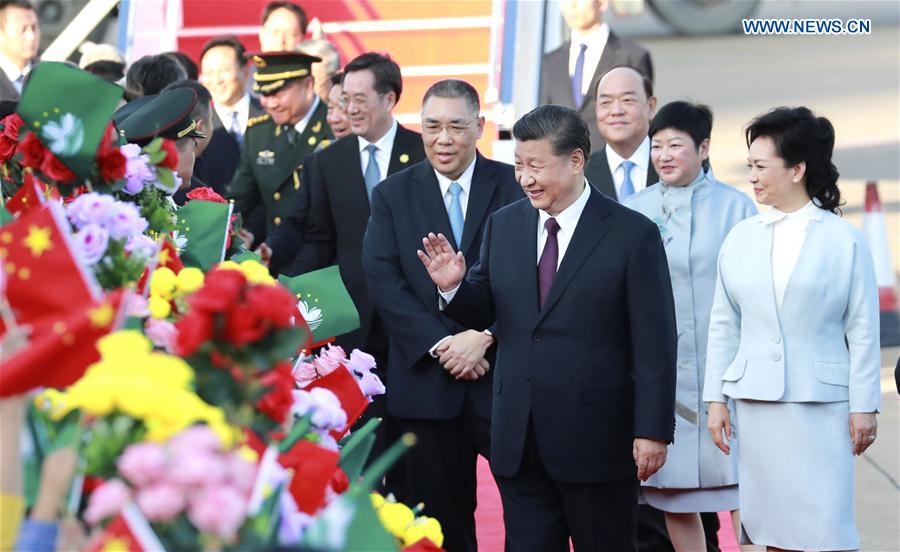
pixel 445 267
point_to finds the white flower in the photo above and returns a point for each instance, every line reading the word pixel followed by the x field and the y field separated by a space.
pixel 180 239
pixel 313 316
pixel 64 137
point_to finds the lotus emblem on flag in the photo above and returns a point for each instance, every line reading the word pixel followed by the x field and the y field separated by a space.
pixel 64 138
pixel 313 316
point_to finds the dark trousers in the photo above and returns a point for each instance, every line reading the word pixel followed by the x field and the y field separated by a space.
pixel 541 514
pixel 441 472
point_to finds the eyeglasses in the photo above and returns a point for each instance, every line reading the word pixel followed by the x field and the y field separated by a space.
pixel 454 129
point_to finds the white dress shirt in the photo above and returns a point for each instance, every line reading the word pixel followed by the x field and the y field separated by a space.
pixel 465 182
pixel 241 107
pixel 567 219
pixel 595 39
pixel 301 125
pixel 788 235
pixel 13 73
pixel 385 145
pixel 641 160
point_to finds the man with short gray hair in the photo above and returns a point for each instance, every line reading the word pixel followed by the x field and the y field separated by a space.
pixel 325 69
pixel 439 375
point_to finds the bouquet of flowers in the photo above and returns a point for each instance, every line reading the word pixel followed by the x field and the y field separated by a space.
pixel 192 489
pixel 109 237
pixel 309 369
pixel 239 332
pixel 150 180
pixel 132 394
pixel 404 523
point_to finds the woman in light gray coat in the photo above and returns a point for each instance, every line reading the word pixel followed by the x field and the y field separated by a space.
pixel 694 213
pixel 794 340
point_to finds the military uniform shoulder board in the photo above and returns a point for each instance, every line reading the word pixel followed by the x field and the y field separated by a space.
pixel 256 120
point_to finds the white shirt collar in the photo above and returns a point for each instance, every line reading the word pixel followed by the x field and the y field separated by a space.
pixel 464 180
pixel 594 37
pixel 242 107
pixel 11 70
pixel 568 217
pixel 640 157
pixel 301 126
pixel 382 143
pixel 805 214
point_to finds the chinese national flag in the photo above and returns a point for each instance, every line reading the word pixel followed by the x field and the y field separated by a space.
pixel 59 348
pixel 33 193
pixel 343 384
pixel 313 468
pixel 41 275
pixel 130 531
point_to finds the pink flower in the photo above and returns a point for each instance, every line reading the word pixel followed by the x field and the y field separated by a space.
pixel 196 438
pixel 137 306
pixel 219 510
pixel 106 501
pixel 142 464
pixel 162 333
pixel 361 362
pixel 329 359
pixel 161 502
pixel 370 384
pixel 241 473
pixel 304 373
pixel 191 467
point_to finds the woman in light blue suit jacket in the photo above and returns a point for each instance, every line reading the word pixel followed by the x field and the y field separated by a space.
pixel 793 284
pixel 694 212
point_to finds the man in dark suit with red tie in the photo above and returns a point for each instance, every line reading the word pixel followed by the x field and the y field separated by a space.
pixel 439 378
pixel 576 289
pixel 569 74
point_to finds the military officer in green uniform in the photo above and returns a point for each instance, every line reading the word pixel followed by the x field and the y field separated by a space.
pixel 276 144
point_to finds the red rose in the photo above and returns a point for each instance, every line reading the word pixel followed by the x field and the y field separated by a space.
pixel 194 329
pixel 277 401
pixel 32 151
pixel 220 292
pixel 171 160
pixel 7 148
pixel 206 194
pixel 108 142
pixel 112 165
pixel 272 303
pixel 339 481
pixel 11 125
pixel 55 169
pixel 244 326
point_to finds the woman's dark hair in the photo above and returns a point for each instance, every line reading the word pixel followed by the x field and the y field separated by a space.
pixel 801 137
pixel 694 120
pixel 561 126
pixel 106 69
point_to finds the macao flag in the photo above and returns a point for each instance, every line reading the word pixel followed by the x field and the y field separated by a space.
pixel 324 302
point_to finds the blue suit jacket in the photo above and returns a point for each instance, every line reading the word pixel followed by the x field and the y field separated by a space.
pixel 595 367
pixel 405 207
pixel 796 353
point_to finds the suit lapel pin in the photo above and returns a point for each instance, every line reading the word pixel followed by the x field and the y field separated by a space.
pixel 404 158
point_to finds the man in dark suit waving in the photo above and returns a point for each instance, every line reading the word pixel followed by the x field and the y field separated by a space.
pixel 439 376
pixel 569 74
pixel 578 292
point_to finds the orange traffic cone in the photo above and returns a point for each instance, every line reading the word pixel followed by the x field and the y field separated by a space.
pixel 875 232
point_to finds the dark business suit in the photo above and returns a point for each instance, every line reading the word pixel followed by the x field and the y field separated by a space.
pixel 578 379
pixel 326 227
pixel 450 416
pixel 220 159
pixel 556 83
pixel 7 90
pixel 329 219
pixel 597 173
